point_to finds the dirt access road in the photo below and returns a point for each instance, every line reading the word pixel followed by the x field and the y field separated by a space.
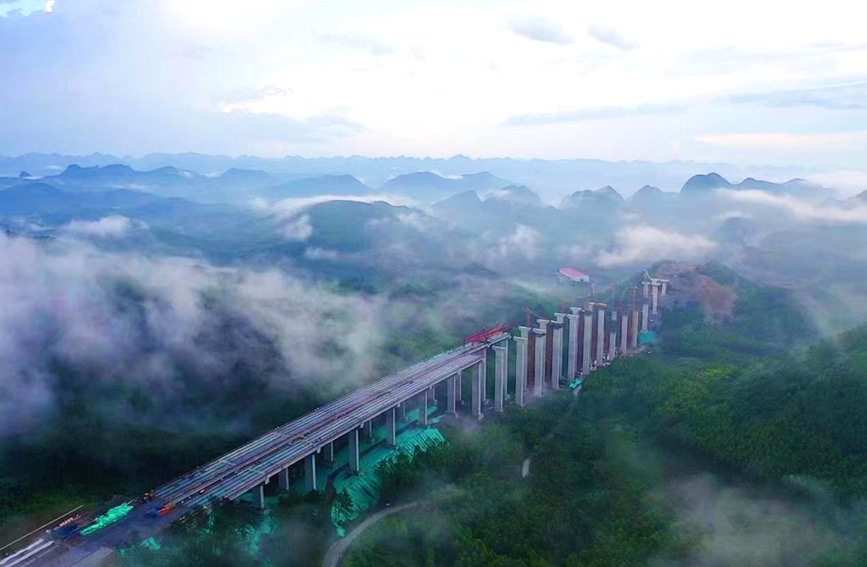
pixel 335 553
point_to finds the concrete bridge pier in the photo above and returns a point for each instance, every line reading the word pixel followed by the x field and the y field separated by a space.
pixel 645 316
pixel 500 369
pixel 624 333
pixel 572 348
pixel 391 427
pixel 422 408
pixel 459 384
pixel 477 389
pixel 310 472
pixel 354 457
pixel 539 366
pixel 328 454
pixel 612 337
pixel 587 355
pixel 401 412
pixel 452 385
pixel 367 431
pixel 654 288
pixel 557 347
pixel 521 365
pixel 258 494
pixel 600 334
pixel 484 386
pixel 633 330
pixel 283 480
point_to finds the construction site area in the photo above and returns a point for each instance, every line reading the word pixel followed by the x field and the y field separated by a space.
pixel 337 447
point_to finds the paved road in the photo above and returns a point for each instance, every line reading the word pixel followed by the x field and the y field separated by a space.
pixel 335 553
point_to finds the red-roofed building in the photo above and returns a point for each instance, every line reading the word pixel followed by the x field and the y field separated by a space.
pixel 571 276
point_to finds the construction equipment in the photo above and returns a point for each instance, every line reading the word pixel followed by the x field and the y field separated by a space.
pixel 486 333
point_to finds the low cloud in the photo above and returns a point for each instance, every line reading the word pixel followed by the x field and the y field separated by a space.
pixel 357 40
pixel 168 325
pixel 601 113
pixel 610 36
pixel 843 140
pixel 646 244
pixel 846 183
pixel 726 215
pixel 420 221
pixel 847 96
pixel 298 229
pixel 748 525
pixel 799 209
pixel 524 242
pixel 321 254
pixel 286 208
pixel 112 226
pixel 538 28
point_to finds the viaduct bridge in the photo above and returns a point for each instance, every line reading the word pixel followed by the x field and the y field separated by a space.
pixel 586 338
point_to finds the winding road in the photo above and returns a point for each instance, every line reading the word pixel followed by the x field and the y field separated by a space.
pixel 335 553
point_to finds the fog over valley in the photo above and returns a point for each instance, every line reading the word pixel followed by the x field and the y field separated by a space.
pixel 454 283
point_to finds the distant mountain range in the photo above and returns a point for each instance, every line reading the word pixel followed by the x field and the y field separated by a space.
pixel 241 186
pixel 700 184
pixel 430 187
pixel 551 179
pixel 602 199
pixel 322 185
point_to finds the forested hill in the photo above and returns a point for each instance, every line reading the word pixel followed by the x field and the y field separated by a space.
pixel 758 393
pixel 738 392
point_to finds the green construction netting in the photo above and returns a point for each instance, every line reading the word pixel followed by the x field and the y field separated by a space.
pixel 110 517
pixel 151 543
pixel 363 488
pixel 647 338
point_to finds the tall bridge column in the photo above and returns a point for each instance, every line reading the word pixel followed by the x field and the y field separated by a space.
pixel 633 330
pixel 422 408
pixel 588 338
pixel 459 384
pixel 478 384
pixel 539 365
pixel 612 336
pixel 572 348
pixel 500 370
pixel 432 394
pixel 258 493
pixel 557 347
pixel 310 472
pixel 283 480
pixel 645 316
pixel 452 385
pixel 521 365
pixel 624 332
pixel 401 411
pixel 664 290
pixel 600 334
pixel 367 430
pixel 654 289
pixel 354 457
pixel 391 427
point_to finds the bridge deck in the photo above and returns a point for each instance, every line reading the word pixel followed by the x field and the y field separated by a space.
pixel 243 468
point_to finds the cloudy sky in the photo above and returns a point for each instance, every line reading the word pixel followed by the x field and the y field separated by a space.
pixel 747 82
